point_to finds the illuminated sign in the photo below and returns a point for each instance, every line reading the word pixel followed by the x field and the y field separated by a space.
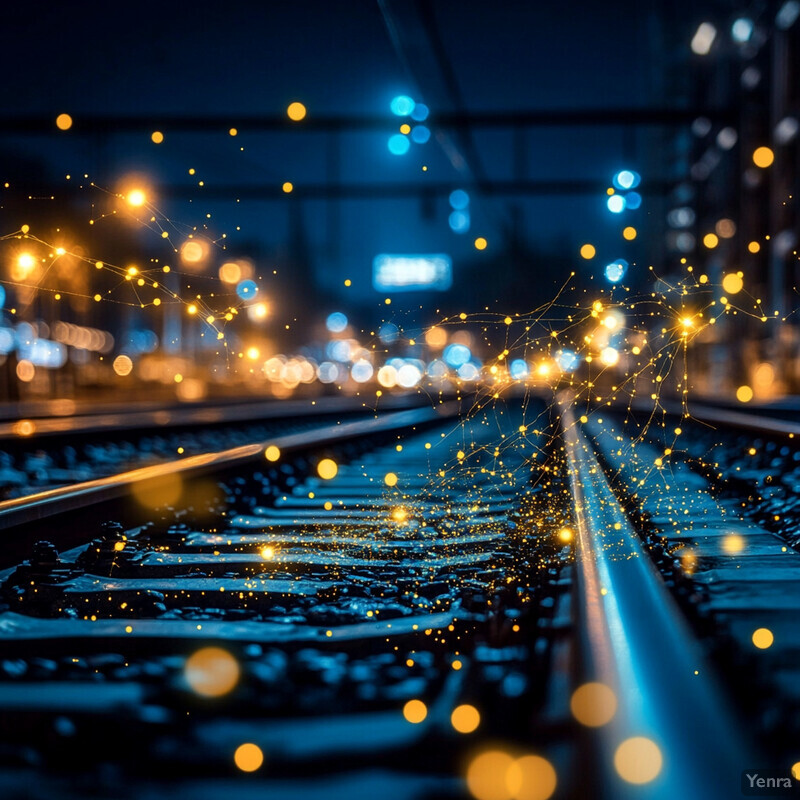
pixel 408 273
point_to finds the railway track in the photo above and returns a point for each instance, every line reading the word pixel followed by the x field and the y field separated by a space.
pixel 426 604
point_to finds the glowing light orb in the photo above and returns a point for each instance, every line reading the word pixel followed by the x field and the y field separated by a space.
pixel 629 233
pixel 193 252
pixel 711 240
pixel 157 137
pixel 336 322
pixel 481 243
pixel 459 199
pixel 415 711
pixel 122 365
pixel 211 672
pixel 402 105
pixel 732 283
pixel 136 198
pixel 398 144
pixel 744 394
pixel 420 134
pixel 626 179
pixel 465 718
pixel 638 760
pixel 63 122
pixel 532 778
pixel 615 271
pixel 272 453
pixel 588 251
pixel 296 111
pixel 616 203
pixel 609 356
pixel 593 704
pixel 459 221
pixel 327 469
pixel 248 757
pixel 230 272
pixel 247 290
pixel 390 479
pixel 763 638
pixel 763 157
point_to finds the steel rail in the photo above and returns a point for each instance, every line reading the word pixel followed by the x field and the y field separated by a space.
pixel 634 639
pixel 35 507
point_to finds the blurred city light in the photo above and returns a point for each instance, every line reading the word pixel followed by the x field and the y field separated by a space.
pixel 616 203
pixel 615 271
pixel 626 179
pixel 420 112
pixel 403 105
pixel 412 272
pixel 459 199
pixel 742 30
pixel 420 134
pixel 398 144
pixel 247 290
pixel 703 38
pixel 787 14
pixel 336 322
pixel 459 221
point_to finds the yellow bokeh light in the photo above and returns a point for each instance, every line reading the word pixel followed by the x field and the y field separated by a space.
pixel 436 338
pixel 136 198
pixel 629 233
pixel 390 479
pixel 744 394
pixel 531 778
pixel 248 757
pixel 732 283
pixel 193 252
pixel 267 553
pixel 481 243
pixel 488 773
pixel 230 272
pixel 327 469
pixel 593 704
pixel 272 453
pixel 405 128
pixel 63 122
pixel 733 543
pixel 638 760
pixel 565 534
pixel 233 132
pixel 212 672
pixel 296 111
pixel 754 247
pixel 157 137
pixel 123 365
pixel 465 718
pixel 795 770
pixel 415 711
pixel 763 157
pixel 609 356
pixel 588 251
pixel 711 240
pixel 763 638
pixel 287 187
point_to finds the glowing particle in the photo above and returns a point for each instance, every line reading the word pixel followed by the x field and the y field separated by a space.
pixel 744 394
pixel 63 122
pixel 465 718
pixel 415 711
pixel 565 534
pixel 763 638
pixel 638 760
pixel 122 365
pixel 296 111
pixel 456 665
pixel 211 672
pixel 593 704
pixel 327 469
pixel 233 132
pixel 732 283
pixel 248 757
pixel 267 553
pixel 629 233
pixel 97 298
pixel 287 187
pixel 754 247
pixel 588 251
pixel 711 240
pixel 488 773
pixel 390 479
pixel 272 453
pixel 763 157
pixel 733 543
pixel 157 137
pixel 348 282
pixel 481 243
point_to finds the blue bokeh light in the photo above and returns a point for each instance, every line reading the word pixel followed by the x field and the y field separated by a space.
pixel 615 271
pixel 633 200
pixel 420 134
pixel 2 296
pixel 518 369
pixel 616 203
pixel 567 360
pixel 336 322
pixel 456 355
pixel 420 112
pixel 398 144
pixel 402 105
pixel 459 221
pixel 626 179
pixel 459 199
pixel 247 290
